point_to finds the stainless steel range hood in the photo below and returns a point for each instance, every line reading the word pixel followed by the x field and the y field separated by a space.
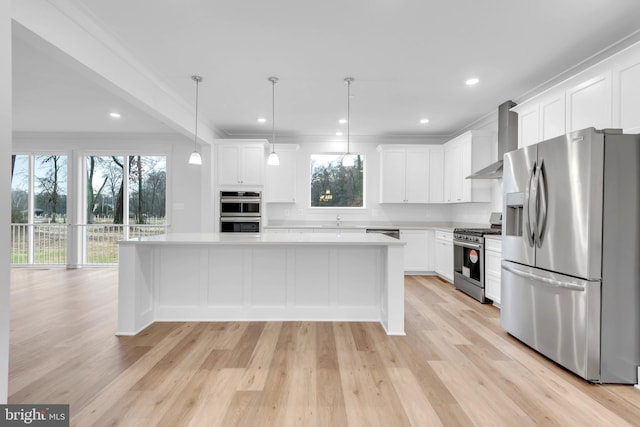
pixel 507 141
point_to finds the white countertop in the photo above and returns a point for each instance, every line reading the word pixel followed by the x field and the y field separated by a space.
pixel 493 236
pixel 444 226
pixel 331 238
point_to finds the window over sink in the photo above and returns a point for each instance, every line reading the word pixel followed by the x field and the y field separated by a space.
pixel 334 185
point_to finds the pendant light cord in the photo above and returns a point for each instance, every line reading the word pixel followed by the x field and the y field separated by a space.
pixel 348 115
pixel 348 80
pixel 197 79
pixel 273 115
pixel 273 81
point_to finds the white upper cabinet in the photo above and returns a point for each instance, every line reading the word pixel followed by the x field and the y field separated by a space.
pixel 241 163
pixel 280 185
pixel 436 175
pixel 404 174
pixel 626 97
pixel 589 104
pixel 552 117
pixel 529 125
pixel 464 155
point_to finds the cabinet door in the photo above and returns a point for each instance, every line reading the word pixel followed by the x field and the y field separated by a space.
pixel 280 186
pixel 552 117
pixel 465 171
pixel 228 165
pixel 253 161
pixel 528 127
pixel 449 172
pixel 444 259
pixel 416 250
pixel 392 176
pixel 453 160
pixel 492 275
pixel 417 176
pixel 448 260
pixel 436 176
pixel 589 105
pixel 626 97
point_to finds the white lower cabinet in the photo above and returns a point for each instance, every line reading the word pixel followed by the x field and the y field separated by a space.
pixel 418 251
pixel 275 230
pixel 444 254
pixel 339 230
pixel 492 269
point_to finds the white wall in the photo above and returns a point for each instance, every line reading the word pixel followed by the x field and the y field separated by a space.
pixel 373 211
pixel 5 185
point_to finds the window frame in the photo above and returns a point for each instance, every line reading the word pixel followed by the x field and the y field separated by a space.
pixel 337 208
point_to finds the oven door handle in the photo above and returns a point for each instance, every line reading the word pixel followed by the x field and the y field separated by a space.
pixel 246 200
pixel 477 246
pixel 239 219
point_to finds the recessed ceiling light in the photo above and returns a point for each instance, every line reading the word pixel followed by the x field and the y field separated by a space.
pixel 424 121
pixel 338 133
pixel 262 120
pixel 115 115
pixel 472 81
pixel 342 121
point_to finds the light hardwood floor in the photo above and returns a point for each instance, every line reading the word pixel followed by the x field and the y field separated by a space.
pixel 455 367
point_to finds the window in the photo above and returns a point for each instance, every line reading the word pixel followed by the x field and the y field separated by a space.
pixel 335 185
pixel 38 209
pixel 126 198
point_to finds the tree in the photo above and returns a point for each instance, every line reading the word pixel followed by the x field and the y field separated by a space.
pixel 92 194
pixel 118 211
pixel 335 185
pixel 50 183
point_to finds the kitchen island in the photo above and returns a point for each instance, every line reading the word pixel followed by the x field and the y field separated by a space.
pixel 261 276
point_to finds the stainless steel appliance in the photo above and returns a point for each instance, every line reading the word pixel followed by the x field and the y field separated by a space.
pixel 468 257
pixel 571 245
pixel 240 211
pixel 391 232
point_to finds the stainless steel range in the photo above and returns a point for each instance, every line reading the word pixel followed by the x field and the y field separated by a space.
pixel 468 257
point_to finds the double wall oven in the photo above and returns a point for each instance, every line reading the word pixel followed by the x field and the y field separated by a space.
pixel 240 211
pixel 468 257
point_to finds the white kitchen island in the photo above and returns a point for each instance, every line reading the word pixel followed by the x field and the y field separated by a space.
pixel 262 276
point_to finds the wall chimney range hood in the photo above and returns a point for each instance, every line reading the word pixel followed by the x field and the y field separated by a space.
pixel 507 141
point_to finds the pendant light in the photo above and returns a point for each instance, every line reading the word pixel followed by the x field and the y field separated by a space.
pixel 348 160
pixel 273 159
pixel 195 158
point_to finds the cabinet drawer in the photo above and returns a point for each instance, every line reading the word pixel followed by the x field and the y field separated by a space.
pixel 444 235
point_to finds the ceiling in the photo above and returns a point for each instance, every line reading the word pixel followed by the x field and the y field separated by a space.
pixel 409 58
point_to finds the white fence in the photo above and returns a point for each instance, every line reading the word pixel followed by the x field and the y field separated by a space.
pixel 47 244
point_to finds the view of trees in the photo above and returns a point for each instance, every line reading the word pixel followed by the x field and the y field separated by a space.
pixel 105 188
pixel 50 188
pixel 335 185
pixel 146 188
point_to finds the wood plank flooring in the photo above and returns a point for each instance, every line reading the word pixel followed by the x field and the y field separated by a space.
pixel 455 367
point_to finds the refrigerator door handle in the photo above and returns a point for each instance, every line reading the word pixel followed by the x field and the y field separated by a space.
pixel 542 195
pixel 527 207
pixel 546 280
pixel 535 190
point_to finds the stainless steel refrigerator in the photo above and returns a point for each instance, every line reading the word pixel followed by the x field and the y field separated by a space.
pixel 571 252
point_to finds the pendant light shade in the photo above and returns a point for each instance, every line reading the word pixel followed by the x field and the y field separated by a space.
pixel 195 158
pixel 348 160
pixel 273 159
